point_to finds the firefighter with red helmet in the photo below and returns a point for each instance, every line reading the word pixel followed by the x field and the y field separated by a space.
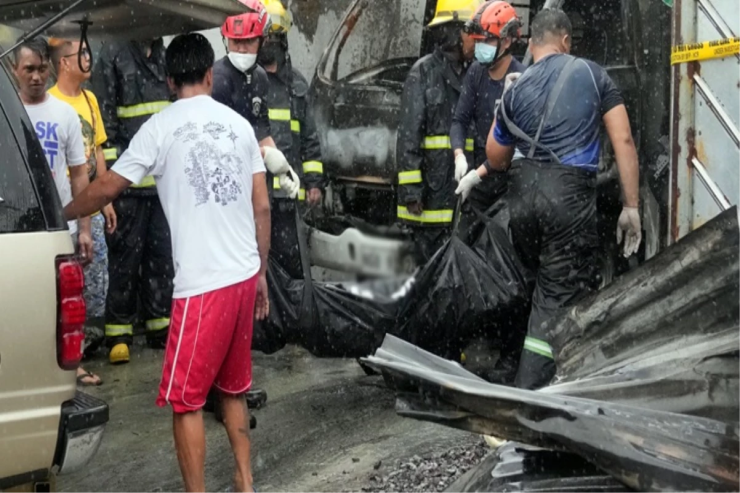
pixel 241 84
pixel 495 27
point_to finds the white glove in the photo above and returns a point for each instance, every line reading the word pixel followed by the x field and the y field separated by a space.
pixel 629 228
pixel 275 161
pixel 289 183
pixel 461 166
pixel 510 79
pixel 468 182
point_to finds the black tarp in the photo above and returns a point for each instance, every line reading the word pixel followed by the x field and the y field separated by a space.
pixel 345 319
pixel 461 293
pixel 465 292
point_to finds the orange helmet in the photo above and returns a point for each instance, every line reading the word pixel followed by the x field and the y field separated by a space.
pixel 494 19
pixel 253 24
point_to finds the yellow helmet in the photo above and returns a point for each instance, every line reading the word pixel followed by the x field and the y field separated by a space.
pixel 454 10
pixel 282 20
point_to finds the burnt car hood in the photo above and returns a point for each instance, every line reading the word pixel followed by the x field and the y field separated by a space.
pixel 647 387
pixel 133 19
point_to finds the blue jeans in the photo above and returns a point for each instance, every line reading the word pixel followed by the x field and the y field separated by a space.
pixel 96 284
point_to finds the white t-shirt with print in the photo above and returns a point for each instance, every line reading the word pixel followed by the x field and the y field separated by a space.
pixel 58 129
pixel 202 156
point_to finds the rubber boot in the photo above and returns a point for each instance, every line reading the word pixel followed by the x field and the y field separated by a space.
pixel 157 340
pixel 119 354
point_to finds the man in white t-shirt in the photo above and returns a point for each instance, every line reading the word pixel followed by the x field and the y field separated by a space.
pixel 210 179
pixel 58 128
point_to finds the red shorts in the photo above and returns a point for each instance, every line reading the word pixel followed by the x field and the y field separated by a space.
pixel 209 343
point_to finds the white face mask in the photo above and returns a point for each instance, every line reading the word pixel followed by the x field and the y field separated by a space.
pixel 242 61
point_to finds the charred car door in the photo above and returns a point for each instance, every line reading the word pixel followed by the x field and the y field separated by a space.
pixel 357 88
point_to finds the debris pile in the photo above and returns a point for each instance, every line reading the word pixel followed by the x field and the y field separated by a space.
pixel 435 472
pixel 462 293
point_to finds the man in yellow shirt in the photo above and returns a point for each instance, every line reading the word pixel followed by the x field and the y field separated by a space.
pixel 72 64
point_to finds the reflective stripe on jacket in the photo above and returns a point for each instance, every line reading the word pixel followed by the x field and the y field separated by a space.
pixel 130 88
pixel 293 128
pixel 424 153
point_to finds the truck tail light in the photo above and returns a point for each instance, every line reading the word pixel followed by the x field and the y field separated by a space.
pixel 70 312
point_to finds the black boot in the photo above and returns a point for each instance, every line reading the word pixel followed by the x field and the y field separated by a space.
pixel 219 415
pixel 503 372
pixel 157 340
pixel 256 398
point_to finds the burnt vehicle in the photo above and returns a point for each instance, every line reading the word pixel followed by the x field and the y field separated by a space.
pixel 356 92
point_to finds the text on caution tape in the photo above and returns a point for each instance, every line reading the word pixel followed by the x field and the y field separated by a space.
pixel 705 51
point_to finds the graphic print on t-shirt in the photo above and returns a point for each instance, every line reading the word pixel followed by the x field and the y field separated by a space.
pixel 47 134
pixel 211 172
pixel 88 138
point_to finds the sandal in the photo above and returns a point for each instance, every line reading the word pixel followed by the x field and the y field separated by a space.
pixel 81 380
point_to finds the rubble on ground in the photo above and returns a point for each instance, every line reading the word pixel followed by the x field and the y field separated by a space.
pixel 432 472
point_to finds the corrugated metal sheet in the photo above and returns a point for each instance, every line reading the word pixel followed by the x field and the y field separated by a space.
pixel 648 371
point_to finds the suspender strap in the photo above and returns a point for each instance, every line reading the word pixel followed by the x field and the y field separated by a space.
pixel 549 106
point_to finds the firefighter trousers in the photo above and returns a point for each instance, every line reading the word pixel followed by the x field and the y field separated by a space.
pixel 554 231
pixel 140 270
pixel 284 246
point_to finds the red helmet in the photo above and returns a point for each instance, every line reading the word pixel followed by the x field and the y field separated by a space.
pixel 495 19
pixel 253 24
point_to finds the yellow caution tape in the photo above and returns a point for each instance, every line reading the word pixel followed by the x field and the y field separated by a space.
pixel 705 51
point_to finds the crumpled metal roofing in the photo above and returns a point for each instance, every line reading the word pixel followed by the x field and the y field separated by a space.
pixel 647 387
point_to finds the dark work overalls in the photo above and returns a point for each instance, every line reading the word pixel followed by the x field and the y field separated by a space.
pixel 553 227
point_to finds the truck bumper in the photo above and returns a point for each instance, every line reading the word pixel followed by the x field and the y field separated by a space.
pixel 359 253
pixel 80 432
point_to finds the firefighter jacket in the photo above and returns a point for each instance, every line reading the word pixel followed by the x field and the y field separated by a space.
pixel 130 88
pixel 294 130
pixel 245 93
pixel 423 150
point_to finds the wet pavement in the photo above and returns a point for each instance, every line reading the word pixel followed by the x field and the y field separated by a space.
pixel 324 428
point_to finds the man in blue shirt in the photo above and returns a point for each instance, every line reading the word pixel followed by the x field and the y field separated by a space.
pixel 494 27
pixel 552 114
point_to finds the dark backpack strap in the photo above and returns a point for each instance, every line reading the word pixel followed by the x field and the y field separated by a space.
pixel 549 106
